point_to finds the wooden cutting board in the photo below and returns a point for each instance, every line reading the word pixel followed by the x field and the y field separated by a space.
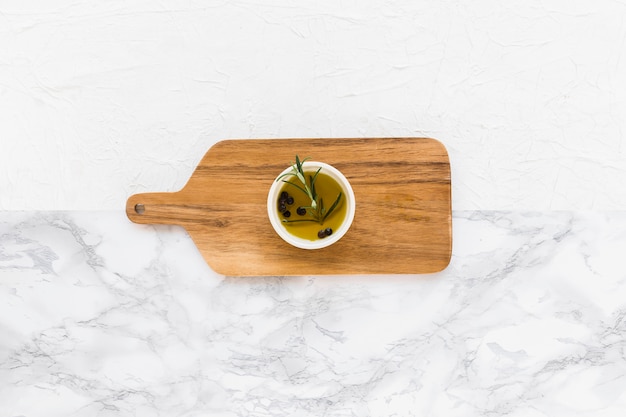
pixel 402 224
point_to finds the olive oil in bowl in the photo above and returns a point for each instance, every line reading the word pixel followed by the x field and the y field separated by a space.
pixel 295 219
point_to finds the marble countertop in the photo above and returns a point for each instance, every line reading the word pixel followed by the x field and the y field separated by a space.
pixel 102 317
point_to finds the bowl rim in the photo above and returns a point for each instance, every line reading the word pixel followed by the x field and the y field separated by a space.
pixel 272 210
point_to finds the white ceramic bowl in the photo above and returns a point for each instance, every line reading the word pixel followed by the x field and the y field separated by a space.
pixel 274 215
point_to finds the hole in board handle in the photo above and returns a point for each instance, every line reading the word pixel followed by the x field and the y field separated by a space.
pixel 140 208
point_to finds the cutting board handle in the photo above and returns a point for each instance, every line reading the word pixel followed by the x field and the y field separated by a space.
pixel 154 208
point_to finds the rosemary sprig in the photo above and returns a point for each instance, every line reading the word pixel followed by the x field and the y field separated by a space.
pixel 316 210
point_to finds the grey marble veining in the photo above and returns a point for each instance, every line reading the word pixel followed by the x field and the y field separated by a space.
pixel 99 316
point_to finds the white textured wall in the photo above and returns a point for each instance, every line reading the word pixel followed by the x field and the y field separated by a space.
pixel 100 100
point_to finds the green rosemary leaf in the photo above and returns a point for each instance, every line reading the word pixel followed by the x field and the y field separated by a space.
pixel 312 179
pixel 297 186
pixel 285 175
pixel 330 210
pixel 312 188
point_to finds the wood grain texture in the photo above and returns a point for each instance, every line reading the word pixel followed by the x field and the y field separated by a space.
pixel 402 225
